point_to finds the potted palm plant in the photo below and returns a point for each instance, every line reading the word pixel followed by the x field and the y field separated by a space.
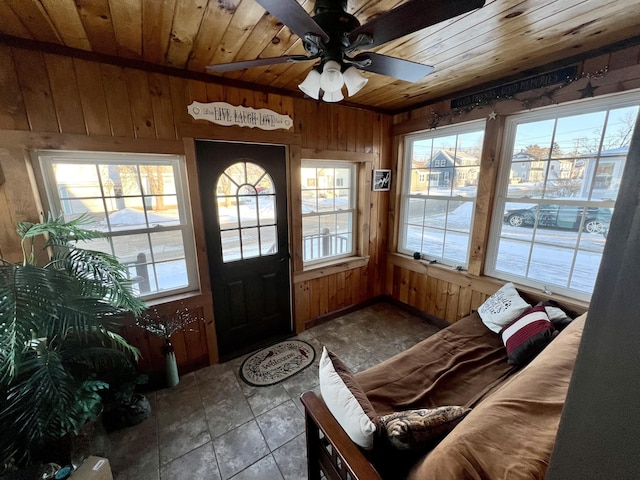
pixel 59 309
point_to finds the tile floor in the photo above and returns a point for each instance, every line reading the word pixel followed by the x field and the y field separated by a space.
pixel 214 426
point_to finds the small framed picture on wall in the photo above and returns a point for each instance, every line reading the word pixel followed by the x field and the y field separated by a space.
pixel 381 180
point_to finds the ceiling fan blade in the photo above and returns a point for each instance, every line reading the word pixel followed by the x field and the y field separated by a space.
pixel 394 67
pixel 293 16
pixel 411 17
pixel 258 62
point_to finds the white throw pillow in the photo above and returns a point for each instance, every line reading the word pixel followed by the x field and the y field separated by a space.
pixel 346 401
pixel 502 308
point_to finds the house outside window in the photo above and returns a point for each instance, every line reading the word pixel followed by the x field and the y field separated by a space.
pixel 329 219
pixel 558 183
pixel 140 203
pixel 437 213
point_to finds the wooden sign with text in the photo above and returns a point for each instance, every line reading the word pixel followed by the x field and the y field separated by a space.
pixel 226 114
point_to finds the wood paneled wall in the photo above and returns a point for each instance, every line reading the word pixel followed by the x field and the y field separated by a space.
pixel 49 101
pixel 442 291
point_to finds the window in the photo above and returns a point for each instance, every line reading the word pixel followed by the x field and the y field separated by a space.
pixel 246 200
pixel 329 200
pixel 440 180
pixel 139 201
pixel 558 184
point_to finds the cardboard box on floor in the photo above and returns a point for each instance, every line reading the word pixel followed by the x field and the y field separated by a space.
pixel 93 468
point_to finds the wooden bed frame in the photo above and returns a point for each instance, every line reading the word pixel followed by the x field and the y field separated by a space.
pixel 329 448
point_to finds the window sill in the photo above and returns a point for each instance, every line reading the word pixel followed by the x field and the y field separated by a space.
pixel 319 270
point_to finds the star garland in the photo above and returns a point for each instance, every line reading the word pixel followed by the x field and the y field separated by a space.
pixel 434 118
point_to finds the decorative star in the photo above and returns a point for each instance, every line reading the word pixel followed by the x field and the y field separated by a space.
pixel 493 115
pixel 587 91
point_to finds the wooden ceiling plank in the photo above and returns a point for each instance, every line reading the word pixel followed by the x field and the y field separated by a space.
pixel 186 24
pixel 66 19
pixel 246 15
pixel 214 23
pixel 96 18
pixel 64 88
pixel 35 18
pixel 491 53
pixel 264 32
pixel 157 18
pixel 127 25
pixel 11 24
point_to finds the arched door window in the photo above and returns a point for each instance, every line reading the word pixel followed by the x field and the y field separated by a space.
pixel 246 198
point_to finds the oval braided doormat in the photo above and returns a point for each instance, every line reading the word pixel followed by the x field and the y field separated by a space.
pixel 277 363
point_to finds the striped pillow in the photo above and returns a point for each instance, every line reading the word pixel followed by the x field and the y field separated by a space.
pixel 527 335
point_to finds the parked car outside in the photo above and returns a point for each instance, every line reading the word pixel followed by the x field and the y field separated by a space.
pixel 567 217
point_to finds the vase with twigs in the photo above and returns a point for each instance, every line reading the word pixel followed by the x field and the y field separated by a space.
pixel 165 326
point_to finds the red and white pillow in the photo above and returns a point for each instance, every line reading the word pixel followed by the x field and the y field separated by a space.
pixel 527 335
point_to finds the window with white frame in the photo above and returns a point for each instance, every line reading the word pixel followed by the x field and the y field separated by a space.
pixel 558 183
pixel 440 181
pixel 140 203
pixel 329 199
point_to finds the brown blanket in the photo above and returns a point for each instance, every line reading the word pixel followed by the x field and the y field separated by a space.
pixel 459 365
pixel 510 435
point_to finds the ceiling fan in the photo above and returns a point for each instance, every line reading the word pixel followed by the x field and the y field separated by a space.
pixel 333 35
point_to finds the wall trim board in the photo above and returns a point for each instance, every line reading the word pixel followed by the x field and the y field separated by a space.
pixel 320 154
pixel 482 284
pixel 65 141
pixel 202 131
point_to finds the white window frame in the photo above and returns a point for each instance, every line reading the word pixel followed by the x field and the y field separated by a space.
pixel 610 102
pixel 459 129
pixel 46 158
pixel 353 208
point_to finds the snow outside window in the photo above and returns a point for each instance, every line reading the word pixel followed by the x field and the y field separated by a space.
pixel 559 180
pixel 329 199
pixel 439 186
pixel 139 201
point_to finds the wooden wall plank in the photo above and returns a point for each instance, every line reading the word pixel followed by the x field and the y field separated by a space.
pixel 36 91
pixel 94 104
pixel 161 106
pixel 13 113
pixel 117 98
pixel 64 89
pixel 140 101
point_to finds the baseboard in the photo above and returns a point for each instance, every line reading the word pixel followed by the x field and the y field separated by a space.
pixel 343 311
pixel 433 320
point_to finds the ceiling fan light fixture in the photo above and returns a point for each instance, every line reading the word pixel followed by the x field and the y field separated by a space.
pixel 354 80
pixel 332 97
pixel 311 84
pixel 331 79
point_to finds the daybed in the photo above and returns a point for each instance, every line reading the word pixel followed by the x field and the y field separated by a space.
pixel 508 434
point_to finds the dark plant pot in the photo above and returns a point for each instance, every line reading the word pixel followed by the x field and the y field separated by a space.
pixel 128 414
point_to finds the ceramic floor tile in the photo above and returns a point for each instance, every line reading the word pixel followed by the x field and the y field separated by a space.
pixel 263 469
pixel 179 438
pixel 212 422
pixel 281 424
pixel 292 458
pixel 239 448
pixel 262 399
pixel 197 464
pixel 228 414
